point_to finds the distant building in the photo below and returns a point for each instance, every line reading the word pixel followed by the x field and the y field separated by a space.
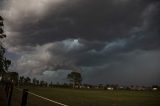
pixel 110 88
pixel 154 89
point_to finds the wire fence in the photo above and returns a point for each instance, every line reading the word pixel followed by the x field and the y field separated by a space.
pixel 23 97
pixel 47 99
pixel 16 97
pixel 32 99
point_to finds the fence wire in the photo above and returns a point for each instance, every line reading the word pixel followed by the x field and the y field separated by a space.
pixel 33 99
pixel 16 97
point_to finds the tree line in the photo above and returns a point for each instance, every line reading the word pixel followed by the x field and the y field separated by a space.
pixel 4 62
pixel 74 78
pixel 27 81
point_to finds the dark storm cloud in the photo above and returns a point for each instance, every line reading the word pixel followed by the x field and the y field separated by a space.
pixel 136 67
pixel 101 38
pixel 86 19
pixel 1 3
pixel 148 35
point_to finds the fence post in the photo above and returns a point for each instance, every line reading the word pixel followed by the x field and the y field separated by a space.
pixel 10 94
pixel 24 97
pixel 7 88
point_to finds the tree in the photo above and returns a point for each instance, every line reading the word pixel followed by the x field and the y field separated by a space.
pixel 37 82
pixel 43 83
pixel 21 80
pixel 75 78
pixel 27 81
pixel 51 84
pixel 34 81
pixel 4 63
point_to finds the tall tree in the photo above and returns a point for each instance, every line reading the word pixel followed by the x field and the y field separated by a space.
pixel 4 63
pixel 34 81
pixel 75 78
pixel 21 80
pixel 27 81
pixel 42 83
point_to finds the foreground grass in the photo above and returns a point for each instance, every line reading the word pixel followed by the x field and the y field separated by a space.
pixel 76 97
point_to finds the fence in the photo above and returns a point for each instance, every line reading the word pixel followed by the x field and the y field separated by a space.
pixel 9 87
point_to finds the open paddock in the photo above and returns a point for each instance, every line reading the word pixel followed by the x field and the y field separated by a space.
pixel 88 97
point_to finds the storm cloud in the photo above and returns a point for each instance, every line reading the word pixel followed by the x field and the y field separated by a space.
pixel 109 41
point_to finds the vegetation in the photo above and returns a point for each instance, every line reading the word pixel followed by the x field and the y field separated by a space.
pixel 75 78
pixel 89 97
pixel 4 62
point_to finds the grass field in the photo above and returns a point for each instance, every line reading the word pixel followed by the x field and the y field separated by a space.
pixel 76 97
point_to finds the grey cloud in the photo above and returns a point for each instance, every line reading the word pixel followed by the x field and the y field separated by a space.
pixel 99 20
pixel 67 54
pixel 138 67
pixel 51 56
pixel 97 37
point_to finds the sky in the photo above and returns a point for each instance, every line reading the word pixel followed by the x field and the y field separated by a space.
pixel 107 41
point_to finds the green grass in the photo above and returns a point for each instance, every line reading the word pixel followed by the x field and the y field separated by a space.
pixel 76 97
